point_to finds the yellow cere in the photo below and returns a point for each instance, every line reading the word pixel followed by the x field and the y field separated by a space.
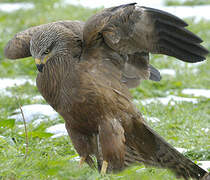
pixel 37 61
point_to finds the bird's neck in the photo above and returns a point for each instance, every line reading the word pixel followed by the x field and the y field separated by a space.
pixel 50 81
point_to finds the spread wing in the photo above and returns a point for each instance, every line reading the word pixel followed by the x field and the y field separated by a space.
pixel 19 46
pixel 135 31
pixel 129 28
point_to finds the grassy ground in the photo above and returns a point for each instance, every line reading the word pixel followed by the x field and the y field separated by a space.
pixel 186 2
pixel 182 124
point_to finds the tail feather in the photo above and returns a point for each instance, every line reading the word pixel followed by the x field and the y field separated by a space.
pixel 148 147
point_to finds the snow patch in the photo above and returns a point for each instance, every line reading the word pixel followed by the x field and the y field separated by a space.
pixel 204 164
pixel 206 130
pixel 10 7
pixel 197 92
pixel 2 137
pixel 170 72
pixel 58 130
pixel 189 65
pixel 198 12
pixel 181 150
pixel 35 111
pixel 111 3
pixel 151 119
pixel 37 98
pixel 169 99
pixel 8 82
pixel 39 121
pixel 76 158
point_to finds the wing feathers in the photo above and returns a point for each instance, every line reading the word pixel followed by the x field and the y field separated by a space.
pixel 129 29
pixel 168 36
pixel 17 48
pixel 154 74
pixel 159 14
pixel 172 49
pixel 176 31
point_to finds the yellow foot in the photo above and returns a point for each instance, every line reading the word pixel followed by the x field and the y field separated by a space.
pixel 82 160
pixel 104 167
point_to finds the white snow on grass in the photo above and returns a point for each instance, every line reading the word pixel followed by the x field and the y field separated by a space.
pixel 110 3
pixel 204 164
pixel 35 111
pixel 181 150
pixel 197 92
pixel 151 119
pixel 10 7
pixel 58 130
pixel 170 72
pixel 199 12
pixel 39 121
pixel 2 137
pixel 189 65
pixel 8 82
pixel 76 158
pixel 206 130
pixel 169 99
pixel 37 98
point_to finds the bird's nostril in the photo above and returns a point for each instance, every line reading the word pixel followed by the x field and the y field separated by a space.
pixel 40 67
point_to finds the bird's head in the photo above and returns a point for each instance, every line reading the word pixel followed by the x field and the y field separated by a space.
pixel 47 42
pixel 51 43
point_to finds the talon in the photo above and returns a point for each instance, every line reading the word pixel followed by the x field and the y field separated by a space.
pixel 82 160
pixel 104 167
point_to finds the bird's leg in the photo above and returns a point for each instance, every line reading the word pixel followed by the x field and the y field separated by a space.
pixel 104 167
pixel 82 160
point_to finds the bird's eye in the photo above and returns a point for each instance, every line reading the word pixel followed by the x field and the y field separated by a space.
pixel 47 51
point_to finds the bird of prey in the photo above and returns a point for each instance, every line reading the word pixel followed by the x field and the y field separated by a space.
pixel 86 70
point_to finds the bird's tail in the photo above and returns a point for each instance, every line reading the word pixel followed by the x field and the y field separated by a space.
pixel 146 146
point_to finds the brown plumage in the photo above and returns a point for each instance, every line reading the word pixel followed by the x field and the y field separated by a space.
pixel 86 70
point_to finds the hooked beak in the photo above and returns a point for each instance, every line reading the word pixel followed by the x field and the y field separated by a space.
pixel 39 65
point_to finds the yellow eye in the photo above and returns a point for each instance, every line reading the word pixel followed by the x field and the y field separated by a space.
pixel 47 51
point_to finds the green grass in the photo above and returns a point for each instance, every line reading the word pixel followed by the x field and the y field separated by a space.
pixel 186 2
pixel 181 125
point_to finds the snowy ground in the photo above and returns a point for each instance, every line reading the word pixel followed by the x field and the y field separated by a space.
pixel 169 99
pixel 199 12
pixel 10 7
pixel 8 82
pixel 35 111
pixel 197 92
pixel 58 130
pixel 170 72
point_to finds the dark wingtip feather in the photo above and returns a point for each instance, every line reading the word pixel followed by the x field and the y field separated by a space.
pixel 156 13
pixel 154 74
pixel 171 49
pixel 176 31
